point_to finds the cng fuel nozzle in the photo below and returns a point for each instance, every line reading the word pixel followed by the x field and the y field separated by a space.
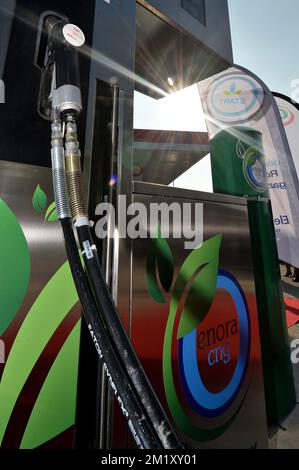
pixel 60 101
pixel 57 56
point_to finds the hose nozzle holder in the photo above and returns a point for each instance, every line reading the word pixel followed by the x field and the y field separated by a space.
pixel 57 56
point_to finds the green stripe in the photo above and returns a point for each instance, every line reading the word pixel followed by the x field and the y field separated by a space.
pixel 14 266
pixel 54 410
pixel 52 305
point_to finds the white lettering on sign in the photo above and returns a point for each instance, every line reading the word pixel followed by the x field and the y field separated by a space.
pixel 73 35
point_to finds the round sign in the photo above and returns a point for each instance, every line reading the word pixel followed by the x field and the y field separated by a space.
pixel 234 98
pixel 255 170
pixel 287 116
pixel 74 35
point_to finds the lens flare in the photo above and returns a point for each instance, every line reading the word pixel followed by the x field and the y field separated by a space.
pixel 113 181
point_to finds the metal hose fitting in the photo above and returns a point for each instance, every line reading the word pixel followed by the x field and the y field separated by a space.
pixel 75 187
pixel 74 174
pixel 58 169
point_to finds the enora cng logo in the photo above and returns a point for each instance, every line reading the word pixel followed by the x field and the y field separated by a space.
pixel 206 342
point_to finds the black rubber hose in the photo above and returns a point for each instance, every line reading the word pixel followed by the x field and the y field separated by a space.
pixel 123 344
pixel 141 429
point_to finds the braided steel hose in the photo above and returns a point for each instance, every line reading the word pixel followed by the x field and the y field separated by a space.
pixel 74 173
pixel 58 168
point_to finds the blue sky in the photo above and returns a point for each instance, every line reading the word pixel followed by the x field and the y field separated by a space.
pixel 265 35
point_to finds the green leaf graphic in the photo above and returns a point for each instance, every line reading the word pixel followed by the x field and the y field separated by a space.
pixel 238 92
pixel 200 270
pixel 51 214
pixel 14 266
pixel 159 261
pixel 250 156
pixel 39 200
pixel 54 412
pixel 54 302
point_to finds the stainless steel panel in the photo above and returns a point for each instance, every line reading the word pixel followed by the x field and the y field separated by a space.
pixel 18 183
pixel 213 30
pixel 149 318
pixel 162 156
pixel 6 15
pixel 113 61
pixel 172 43
pixel 139 187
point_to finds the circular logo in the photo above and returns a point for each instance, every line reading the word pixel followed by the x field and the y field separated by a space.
pixel 74 35
pixel 235 98
pixel 287 116
pixel 216 352
pixel 254 170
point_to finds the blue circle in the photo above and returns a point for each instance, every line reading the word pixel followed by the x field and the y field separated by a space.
pixel 200 398
pixel 254 180
pixel 252 177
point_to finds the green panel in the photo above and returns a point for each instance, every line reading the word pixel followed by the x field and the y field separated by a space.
pixel 238 163
pixel 278 373
pixel 54 410
pixel 234 152
pixel 54 302
pixel 14 267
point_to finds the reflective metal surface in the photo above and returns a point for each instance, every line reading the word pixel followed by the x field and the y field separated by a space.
pixel 18 185
pixel 221 215
pixel 172 43
pixel 162 156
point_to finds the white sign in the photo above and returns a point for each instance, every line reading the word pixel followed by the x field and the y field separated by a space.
pixel 249 103
pixel 74 35
pixel 290 118
pixel 234 98
pixel 283 182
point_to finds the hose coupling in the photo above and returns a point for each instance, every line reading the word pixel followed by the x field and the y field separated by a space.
pixel 75 186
